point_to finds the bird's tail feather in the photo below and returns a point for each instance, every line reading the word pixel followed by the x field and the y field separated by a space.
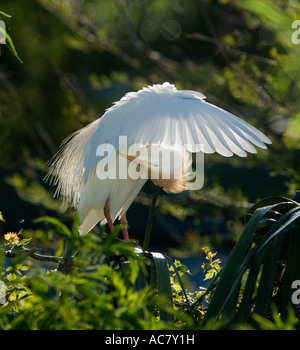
pixel 90 220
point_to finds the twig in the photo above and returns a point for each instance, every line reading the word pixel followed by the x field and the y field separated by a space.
pixel 230 50
pixel 32 253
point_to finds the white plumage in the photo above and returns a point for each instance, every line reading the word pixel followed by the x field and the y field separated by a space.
pixel 157 115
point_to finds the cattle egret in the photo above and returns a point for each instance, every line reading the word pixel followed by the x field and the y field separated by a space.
pixel 91 169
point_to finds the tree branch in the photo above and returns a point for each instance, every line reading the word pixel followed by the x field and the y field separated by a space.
pixel 230 50
pixel 32 253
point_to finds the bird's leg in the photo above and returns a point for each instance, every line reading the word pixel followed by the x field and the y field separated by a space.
pixel 107 215
pixel 123 222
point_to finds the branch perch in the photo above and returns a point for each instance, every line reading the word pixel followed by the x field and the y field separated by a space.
pixel 32 253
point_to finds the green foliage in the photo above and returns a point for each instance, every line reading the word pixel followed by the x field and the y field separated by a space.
pixel 99 283
pixel 212 268
pixel 253 71
pixel 108 284
pixel 267 256
pixel 240 54
pixel 89 293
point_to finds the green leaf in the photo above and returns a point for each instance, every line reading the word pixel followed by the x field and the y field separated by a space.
pixel 59 226
pixel 5 14
pixel 25 241
pixel 270 201
pixel 11 277
pixel 9 43
pixel 161 278
pixel 270 265
pixel 292 271
pixel 247 301
pixel 280 226
pixel 236 264
pixel 22 267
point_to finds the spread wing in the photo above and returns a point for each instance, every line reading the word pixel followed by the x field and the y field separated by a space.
pixel 158 114
pixel 163 114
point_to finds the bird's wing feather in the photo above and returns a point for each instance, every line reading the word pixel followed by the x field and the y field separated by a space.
pixel 162 114
pixel 159 114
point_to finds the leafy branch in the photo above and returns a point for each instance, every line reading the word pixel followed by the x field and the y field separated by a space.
pixel 32 253
pixel 212 268
pixel 13 247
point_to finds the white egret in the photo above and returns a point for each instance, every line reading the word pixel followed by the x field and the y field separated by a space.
pixel 92 166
